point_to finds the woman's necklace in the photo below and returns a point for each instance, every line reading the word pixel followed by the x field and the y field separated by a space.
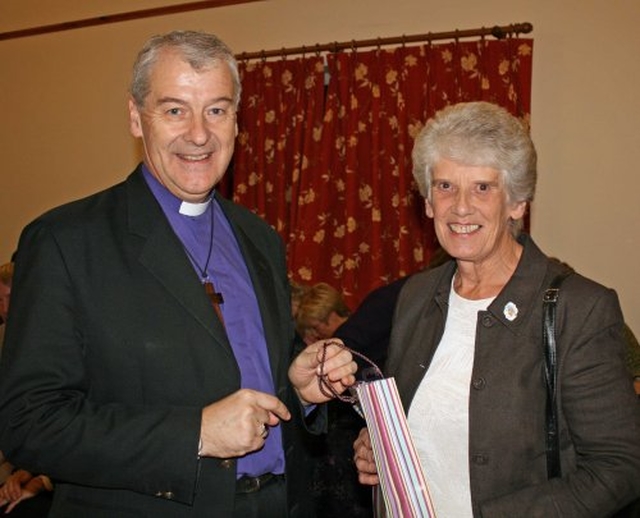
pixel 215 296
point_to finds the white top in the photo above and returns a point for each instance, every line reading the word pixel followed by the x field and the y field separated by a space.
pixel 439 413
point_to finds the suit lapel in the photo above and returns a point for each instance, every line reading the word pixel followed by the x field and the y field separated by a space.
pixel 163 256
pixel 419 328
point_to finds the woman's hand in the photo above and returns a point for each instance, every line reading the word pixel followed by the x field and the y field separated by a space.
pixel 364 459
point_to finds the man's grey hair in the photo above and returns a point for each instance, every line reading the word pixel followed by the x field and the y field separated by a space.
pixel 199 49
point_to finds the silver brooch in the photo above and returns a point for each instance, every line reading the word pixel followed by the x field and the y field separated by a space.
pixel 510 311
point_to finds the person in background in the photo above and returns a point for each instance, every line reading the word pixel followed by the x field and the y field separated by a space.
pixel 19 485
pixel 149 364
pixel 321 310
pixel 297 291
pixel 33 493
pixel 466 346
pixel 322 313
pixel 368 328
pixel 6 279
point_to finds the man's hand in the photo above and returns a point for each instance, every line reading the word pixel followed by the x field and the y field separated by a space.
pixel 339 370
pixel 364 460
pixel 239 423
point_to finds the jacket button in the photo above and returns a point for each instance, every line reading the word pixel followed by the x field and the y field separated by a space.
pixel 478 458
pixel 478 383
pixel 227 463
pixel 168 495
pixel 487 321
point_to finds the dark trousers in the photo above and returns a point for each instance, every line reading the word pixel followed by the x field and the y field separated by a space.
pixel 269 502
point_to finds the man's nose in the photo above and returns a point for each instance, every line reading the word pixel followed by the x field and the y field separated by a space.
pixel 198 131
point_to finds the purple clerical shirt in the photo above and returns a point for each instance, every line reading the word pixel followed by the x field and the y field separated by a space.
pixel 226 267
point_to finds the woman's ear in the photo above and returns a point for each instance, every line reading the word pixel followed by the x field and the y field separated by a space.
pixel 428 208
pixel 518 210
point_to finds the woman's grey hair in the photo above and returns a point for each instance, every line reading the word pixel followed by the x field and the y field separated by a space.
pixel 478 134
pixel 199 49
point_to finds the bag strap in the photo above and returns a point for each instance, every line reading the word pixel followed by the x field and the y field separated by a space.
pixel 324 383
pixel 549 302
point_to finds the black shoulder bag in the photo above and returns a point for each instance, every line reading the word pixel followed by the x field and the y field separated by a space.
pixel 549 301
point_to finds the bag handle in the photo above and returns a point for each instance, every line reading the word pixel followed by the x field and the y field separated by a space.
pixel 323 379
pixel 549 302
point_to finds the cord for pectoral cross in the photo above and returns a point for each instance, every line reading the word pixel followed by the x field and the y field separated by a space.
pixel 215 296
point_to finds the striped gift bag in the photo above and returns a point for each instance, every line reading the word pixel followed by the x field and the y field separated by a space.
pixel 402 481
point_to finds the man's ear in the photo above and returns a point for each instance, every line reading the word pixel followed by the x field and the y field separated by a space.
pixel 135 124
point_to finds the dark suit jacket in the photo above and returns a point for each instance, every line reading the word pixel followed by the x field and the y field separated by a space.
pixel 599 414
pixel 114 349
pixel 368 328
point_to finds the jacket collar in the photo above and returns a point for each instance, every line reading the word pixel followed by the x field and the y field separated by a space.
pixel 514 304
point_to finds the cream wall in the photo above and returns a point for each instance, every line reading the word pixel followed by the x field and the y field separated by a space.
pixel 64 127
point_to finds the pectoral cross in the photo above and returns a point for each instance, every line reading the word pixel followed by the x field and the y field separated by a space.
pixel 216 298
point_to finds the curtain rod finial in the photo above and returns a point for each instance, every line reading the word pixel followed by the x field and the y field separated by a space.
pixel 497 32
pixel 527 27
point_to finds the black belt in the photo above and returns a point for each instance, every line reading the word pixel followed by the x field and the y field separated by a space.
pixel 247 484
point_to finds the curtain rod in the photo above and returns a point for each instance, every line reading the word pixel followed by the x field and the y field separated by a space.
pixel 499 32
pixel 120 17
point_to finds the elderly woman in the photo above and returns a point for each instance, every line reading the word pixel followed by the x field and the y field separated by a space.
pixel 467 344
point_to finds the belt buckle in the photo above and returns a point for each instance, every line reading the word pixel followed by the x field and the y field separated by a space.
pixel 253 484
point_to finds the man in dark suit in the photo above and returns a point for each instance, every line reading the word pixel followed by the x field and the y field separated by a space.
pixel 148 361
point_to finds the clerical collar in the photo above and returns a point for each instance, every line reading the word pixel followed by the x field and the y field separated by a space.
pixel 193 209
pixel 171 204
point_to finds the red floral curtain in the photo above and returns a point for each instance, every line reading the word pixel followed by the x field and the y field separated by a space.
pixel 346 204
pixel 279 127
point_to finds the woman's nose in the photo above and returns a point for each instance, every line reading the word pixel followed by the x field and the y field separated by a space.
pixel 462 203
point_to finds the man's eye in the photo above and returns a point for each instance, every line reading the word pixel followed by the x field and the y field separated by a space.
pixel 174 111
pixel 218 112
